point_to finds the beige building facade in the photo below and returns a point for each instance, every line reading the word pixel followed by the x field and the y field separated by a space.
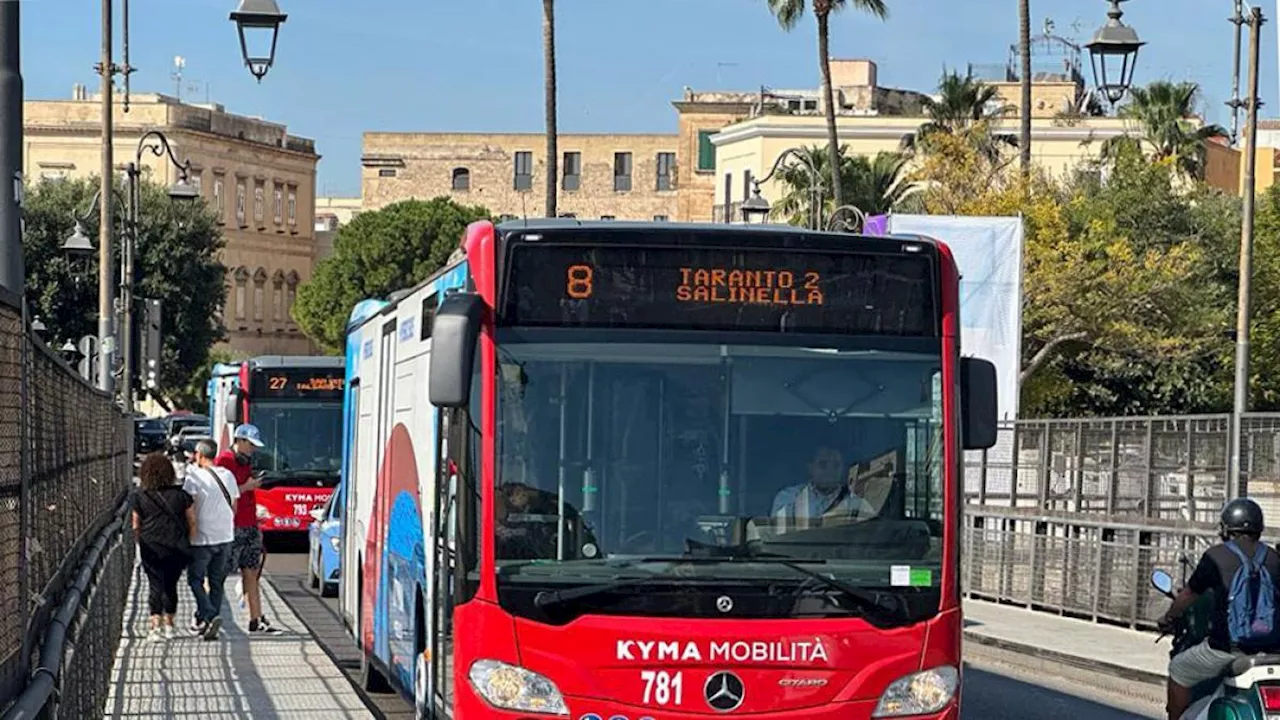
pixel 624 177
pixel 257 179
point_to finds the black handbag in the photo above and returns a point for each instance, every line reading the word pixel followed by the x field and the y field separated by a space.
pixel 183 545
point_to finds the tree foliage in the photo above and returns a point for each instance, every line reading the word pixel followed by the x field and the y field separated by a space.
pixel 376 254
pixel 175 261
pixel 1127 283
pixel 874 185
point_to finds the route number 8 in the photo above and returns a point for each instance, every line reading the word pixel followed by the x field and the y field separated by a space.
pixel 663 688
pixel 578 285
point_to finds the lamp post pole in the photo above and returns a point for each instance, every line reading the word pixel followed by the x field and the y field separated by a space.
pixel 1235 485
pixel 106 285
pixel 12 271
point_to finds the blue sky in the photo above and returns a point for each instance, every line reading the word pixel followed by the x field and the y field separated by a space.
pixel 344 67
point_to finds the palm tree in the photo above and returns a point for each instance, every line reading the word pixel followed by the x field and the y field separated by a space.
pixel 1024 117
pixel 873 185
pixel 1164 112
pixel 788 13
pixel 964 104
pixel 549 60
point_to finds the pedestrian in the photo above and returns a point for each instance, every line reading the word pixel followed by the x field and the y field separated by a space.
pixel 215 493
pixel 248 552
pixel 164 523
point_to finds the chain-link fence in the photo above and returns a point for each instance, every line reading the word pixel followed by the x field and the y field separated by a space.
pixel 1164 468
pixel 65 467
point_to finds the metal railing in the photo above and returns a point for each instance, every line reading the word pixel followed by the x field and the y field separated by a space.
pixel 1089 567
pixel 1163 468
pixel 65 468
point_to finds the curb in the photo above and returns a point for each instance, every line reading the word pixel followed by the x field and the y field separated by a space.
pixel 1098 666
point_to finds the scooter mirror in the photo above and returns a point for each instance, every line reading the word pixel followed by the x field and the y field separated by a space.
pixel 1162 581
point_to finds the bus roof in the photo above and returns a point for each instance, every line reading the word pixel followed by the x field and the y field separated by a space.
pixel 268 361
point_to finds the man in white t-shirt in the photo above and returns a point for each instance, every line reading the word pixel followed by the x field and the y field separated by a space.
pixel 215 492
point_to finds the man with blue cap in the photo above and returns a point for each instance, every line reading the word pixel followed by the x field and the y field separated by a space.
pixel 247 550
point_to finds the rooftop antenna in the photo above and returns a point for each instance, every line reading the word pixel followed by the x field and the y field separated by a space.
pixel 179 63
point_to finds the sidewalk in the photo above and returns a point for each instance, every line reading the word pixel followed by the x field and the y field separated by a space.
pixel 263 678
pixel 1105 648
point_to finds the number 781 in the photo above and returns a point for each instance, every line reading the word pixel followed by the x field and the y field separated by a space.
pixel 662 687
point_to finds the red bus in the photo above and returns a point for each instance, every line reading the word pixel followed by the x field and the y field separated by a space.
pixel 666 471
pixel 296 403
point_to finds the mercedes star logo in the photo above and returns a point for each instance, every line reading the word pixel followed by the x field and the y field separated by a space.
pixel 724 691
pixel 724 603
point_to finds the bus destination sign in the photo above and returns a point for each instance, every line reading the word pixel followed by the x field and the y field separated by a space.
pixel 699 288
pixel 296 383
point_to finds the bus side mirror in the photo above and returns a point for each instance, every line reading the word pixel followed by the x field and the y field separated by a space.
pixel 233 406
pixel 978 414
pixel 453 349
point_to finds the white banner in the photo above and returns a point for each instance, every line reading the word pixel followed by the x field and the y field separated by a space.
pixel 989 253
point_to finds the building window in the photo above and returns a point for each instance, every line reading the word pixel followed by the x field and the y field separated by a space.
pixel 572 179
pixel 278 205
pixel 660 218
pixel 277 296
pixel 524 170
pixel 242 281
pixel 219 202
pixel 240 202
pixel 622 172
pixel 290 293
pixel 386 172
pixel 506 217
pixel 706 151
pixel 666 171
pixel 746 184
pixel 197 181
pixel 606 217
pixel 461 179
pixel 259 292
pixel 259 203
pixel 293 207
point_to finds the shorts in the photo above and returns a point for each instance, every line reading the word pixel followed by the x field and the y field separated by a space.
pixel 1199 663
pixel 247 550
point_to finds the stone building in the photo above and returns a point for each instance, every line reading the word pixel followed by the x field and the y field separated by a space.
pixel 258 179
pixel 628 177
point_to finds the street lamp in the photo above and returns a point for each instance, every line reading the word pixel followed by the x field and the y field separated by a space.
pixel 183 191
pixel 37 325
pixel 258 19
pixel 755 209
pixel 847 218
pixel 1116 44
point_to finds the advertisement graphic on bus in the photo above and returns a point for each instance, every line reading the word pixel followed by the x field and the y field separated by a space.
pixel 296 403
pixel 664 471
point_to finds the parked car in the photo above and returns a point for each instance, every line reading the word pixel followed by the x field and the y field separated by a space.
pixel 325 543
pixel 174 424
pixel 148 435
pixel 197 431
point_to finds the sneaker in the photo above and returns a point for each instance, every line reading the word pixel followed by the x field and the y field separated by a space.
pixel 262 626
pixel 170 632
pixel 211 630
pixel 197 628
pixel 155 635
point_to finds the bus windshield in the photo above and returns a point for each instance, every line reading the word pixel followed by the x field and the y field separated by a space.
pixel 303 441
pixel 620 460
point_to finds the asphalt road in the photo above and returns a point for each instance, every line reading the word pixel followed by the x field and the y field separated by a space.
pixel 993 691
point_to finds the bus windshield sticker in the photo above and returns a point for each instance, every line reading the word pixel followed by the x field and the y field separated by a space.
pixel 699 288
pixel 900 576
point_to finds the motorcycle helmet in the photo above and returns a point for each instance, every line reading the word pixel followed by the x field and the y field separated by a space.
pixel 1241 516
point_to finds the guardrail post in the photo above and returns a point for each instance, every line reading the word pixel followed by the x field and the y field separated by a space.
pixel 1113 480
pixel 1189 488
pixel 1149 489
pixel 1141 561
pixel 1042 492
pixel 1079 468
pixel 982 478
pixel 1015 461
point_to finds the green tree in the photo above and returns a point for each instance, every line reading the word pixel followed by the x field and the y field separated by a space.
pixel 874 185
pixel 175 261
pixel 376 254
pixel 1165 113
pixel 788 14
pixel 964 107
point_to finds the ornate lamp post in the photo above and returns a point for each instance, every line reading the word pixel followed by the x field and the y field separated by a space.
pixel 260 20
pixel 1114 54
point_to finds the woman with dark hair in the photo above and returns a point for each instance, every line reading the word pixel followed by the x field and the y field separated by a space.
pixel 164 521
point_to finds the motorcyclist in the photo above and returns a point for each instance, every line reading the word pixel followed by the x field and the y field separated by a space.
pixel 1241 522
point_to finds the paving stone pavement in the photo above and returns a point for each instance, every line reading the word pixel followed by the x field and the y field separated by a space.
pixel 264 678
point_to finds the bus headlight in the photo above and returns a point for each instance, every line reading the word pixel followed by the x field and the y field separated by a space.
pixel 921 693
pixel 513 688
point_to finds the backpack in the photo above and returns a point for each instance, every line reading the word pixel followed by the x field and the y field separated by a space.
pixel 1251 600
